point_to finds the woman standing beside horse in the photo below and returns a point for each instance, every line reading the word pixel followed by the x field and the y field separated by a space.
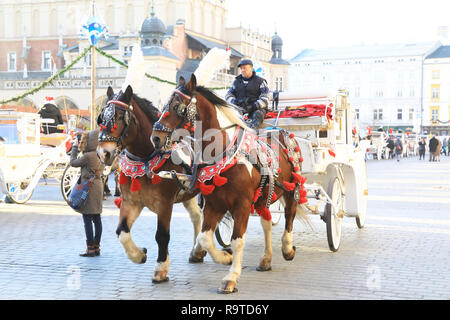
pixel 90 164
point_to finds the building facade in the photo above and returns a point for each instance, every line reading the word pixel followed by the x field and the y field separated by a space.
pixel 436 92
pixel 40 37
pixel 384 82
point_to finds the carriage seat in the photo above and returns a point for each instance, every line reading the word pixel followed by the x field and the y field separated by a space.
pixel 53 139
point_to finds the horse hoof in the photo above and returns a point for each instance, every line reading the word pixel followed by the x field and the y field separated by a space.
pixel 289 256
pixel 164 279
pixel 227 287
pixel 144 250
pixel 264 265
pixel 197 257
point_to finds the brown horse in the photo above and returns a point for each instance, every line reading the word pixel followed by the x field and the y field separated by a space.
pixel 240 166
pixel 127 121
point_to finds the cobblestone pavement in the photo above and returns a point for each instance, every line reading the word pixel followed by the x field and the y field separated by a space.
pixel 402 253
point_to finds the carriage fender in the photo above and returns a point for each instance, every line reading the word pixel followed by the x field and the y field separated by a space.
pixel 355 182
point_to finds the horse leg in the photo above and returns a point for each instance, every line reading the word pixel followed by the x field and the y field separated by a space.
pixel 205 238
pixel 240 217
pixel 162 238
pixel 195 214
pixel 116 181
pixel 266 260
pixel 290 209
pixel 129 214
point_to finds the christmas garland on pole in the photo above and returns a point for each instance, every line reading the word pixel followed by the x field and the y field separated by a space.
pixel 48 81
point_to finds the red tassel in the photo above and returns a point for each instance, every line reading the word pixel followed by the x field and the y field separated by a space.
pixel 205 189
pixel 297 178
pixel 252 209
pixel 219 181
pixel 289 186
pixel 291 136
pixel 256 195
pixel 264 213
pixel 118 202
pixel 332 153
pixel 279 170
pixel 135 185
pixel 303 200
pixel 303 193
pixel 300 159
pixel 123 179
pixel 291 159
pixel 274 197
pixel 296 169
pixel 297 149
pixel 156 179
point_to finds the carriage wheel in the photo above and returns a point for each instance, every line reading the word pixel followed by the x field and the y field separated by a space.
pixel 68 180
pixel 224 230
pixel 17 192
pixel 361 218
pixel 333 217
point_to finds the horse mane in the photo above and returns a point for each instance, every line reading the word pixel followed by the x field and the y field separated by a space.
pixel 227 109
pixel 147 107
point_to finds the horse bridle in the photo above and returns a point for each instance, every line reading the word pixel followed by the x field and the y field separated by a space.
pixel 187 113
pixel 108 125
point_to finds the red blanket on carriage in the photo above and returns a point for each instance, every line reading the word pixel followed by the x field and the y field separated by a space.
pixel 307 110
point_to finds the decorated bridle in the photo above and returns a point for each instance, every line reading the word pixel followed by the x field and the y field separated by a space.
pixel 188 114
pixel 107 122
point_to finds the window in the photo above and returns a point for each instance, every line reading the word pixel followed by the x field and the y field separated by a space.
pixel 435 91
pixel 379 93
pixel 378 114
pixel 46 61
pixel 357 113
pixel 434 113
pixel 399 93
pixel 411 92
pixel 399 114
pixel 87 59
pixel 411 114
pixel 279 84
pixel 11 61
pixel 436 74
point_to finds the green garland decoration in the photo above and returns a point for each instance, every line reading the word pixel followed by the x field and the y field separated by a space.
pixel 123 64
pixel 49 80
pixel 69 66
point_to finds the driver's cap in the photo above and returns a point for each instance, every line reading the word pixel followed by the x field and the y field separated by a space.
pixel 244 62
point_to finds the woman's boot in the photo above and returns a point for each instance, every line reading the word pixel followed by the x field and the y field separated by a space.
pixel 97 248
pixel 90 251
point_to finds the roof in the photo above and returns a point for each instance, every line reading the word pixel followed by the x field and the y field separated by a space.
pixel 209 44
pixel 278 61
pixel 155 51
pixel 189 66
pixel 361 52
pixel 441 52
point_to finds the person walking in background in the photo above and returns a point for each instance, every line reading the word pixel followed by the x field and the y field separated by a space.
pixel 437 153
pixel 444 145
pixel 90 164
pixel 448 146
pixel 422 147
pixel 398 148
pixel 432 145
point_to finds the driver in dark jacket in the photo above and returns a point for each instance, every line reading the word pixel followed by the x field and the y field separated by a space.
pixel 250 93
pixel 51 111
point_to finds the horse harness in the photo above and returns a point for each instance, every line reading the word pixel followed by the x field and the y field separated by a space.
pixel 106 120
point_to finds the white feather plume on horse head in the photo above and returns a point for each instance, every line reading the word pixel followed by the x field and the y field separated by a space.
pixel 136 70
pixel 215 60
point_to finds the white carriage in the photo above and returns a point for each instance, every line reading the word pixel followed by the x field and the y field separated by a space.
pixel 26 156
pixel 333 163
pixel 377 148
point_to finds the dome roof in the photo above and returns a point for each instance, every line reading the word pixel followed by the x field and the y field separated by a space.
pixel 153 25
pixel 276 40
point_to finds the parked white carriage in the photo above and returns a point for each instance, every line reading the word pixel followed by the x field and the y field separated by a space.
pixel 335 168
pixel 26 156
pixel 378 146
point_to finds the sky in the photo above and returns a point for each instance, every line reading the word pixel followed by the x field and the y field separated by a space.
pixel 315 24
